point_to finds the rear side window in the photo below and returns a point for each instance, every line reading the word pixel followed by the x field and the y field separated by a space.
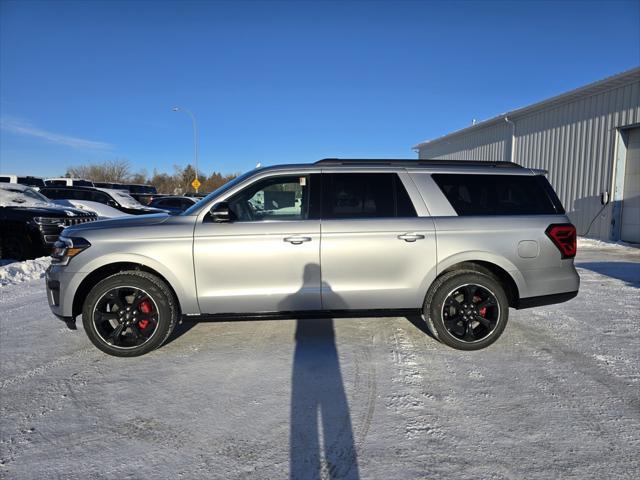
pixel 364 195
pixel 499 194
pixel 99 197
pixel 31 181
pixel 52 193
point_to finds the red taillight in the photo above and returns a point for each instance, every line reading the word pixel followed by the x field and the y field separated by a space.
pixel 563 236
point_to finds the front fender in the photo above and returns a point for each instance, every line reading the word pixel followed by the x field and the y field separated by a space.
pixel 179 276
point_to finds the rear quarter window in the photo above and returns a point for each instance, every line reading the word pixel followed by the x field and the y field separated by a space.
pixel 499 194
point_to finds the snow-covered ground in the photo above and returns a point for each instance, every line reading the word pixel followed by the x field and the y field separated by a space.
pixel 558 396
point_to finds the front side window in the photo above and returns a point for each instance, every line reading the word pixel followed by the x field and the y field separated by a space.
pixel 273 198
pixel 365 195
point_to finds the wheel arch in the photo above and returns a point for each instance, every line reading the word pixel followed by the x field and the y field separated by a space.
pixel 105 271
pixel 484 262
pixel 491 269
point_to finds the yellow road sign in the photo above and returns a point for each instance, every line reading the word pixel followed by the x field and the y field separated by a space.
pixel 196 184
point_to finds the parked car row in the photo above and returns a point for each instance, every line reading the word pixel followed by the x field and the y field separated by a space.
pixel 142 193
pixel 33 211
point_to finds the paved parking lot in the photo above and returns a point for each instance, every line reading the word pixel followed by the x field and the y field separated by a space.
pixel 556 397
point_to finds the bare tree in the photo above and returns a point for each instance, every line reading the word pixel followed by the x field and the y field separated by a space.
pixel 117 170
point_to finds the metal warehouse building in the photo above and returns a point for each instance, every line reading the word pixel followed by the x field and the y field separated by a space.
pixel 587 139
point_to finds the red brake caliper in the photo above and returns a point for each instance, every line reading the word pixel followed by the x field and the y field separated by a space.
pixel 144 307
pixel 483 311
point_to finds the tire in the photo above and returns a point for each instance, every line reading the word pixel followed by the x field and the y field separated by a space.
pixel 129 313
pixel 466 310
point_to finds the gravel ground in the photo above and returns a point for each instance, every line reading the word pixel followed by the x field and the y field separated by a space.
pixel 556 397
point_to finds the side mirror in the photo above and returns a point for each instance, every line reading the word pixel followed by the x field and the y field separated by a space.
pixel 220 212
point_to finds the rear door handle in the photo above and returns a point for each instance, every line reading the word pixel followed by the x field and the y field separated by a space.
pixel 411 237
pixel 297 240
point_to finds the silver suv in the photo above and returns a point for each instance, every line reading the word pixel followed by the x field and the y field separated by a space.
pixel 458 242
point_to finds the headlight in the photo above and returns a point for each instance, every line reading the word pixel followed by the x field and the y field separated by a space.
pixel 48 221
pixel 67 248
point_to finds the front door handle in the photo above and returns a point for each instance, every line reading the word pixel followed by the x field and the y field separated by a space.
pixel 411 237
pixel 297 240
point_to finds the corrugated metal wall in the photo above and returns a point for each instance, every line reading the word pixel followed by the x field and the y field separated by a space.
pixel 575 141
pixel 489 143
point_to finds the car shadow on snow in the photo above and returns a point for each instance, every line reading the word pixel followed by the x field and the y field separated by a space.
pixel 628 272
pixel 319 407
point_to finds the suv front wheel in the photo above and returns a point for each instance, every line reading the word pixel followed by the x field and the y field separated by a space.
pixel 466 310
pixel 129 313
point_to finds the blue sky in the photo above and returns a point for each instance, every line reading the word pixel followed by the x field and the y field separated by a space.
pixel 276 82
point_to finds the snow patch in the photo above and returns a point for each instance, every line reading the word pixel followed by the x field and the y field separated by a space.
pixel 12 272
pixel 592 243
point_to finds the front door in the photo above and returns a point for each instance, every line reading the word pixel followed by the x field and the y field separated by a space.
pixel 267 258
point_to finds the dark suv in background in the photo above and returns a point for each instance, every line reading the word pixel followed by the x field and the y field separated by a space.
pixel 173 204
pixel 142 193
pixel 30 224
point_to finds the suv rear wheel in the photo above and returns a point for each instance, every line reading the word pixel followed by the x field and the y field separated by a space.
pixel 466 310
pixel 129 313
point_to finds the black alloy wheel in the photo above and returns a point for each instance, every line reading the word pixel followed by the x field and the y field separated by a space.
pixel 126 317
pixel 470 312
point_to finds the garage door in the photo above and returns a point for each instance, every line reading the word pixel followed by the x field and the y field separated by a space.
pixel 630 228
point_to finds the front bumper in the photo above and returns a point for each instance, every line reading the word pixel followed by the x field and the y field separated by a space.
pixel 61 286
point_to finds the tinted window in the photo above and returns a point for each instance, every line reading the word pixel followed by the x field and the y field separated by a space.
pixel 274 198
pixel 82 183
pixel 53 193
pixel 4 179
pixel 31 181
pixel 99 197
pixel 186 204
pixel 499 194
pixel 168 202
pixel 365 195
pixel 56 182
pixel 142 189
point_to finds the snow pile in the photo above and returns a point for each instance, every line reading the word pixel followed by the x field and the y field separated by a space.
pixel 18 272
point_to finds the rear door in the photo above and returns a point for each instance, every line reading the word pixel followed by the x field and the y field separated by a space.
pixel 376 252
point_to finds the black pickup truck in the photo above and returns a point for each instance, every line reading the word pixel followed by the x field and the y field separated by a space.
pixel 30 224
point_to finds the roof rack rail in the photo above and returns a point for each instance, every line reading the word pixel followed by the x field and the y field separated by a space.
pixel 406 162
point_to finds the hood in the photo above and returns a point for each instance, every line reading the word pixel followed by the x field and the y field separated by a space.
pixel 120 222
pixel 50 211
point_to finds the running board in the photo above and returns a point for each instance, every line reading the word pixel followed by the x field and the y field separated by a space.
pixel 396 312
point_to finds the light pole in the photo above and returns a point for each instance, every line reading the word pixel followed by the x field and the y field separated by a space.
pixel 195 136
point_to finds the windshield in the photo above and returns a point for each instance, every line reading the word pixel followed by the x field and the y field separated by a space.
pixel 24 197
pixel 219 191
pixel 126 200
